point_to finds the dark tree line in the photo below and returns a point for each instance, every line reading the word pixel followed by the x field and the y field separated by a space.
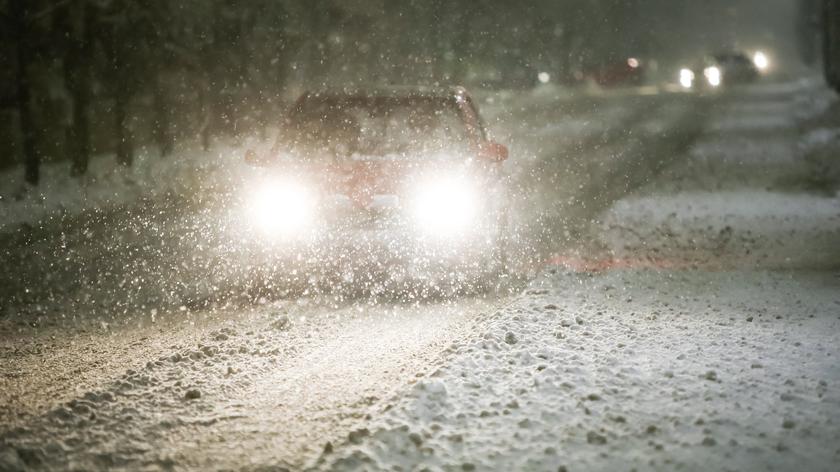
pixel 110 75
pixel 165 63
pixel 818 37
pixel 831 41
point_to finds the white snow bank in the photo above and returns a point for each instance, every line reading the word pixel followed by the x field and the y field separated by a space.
pixel 820 138
pixel 774 106
pixel 629 370
pixel 755 122
pixel 790 87
pixel 734 201
pixel 727 229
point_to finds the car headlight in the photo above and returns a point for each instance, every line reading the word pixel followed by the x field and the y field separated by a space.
pixel 282 207
pixel 445 206
pixel 713 76
pixel 761 61
pixel 686 78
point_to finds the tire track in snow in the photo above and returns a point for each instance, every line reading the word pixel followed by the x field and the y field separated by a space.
pixel 271 388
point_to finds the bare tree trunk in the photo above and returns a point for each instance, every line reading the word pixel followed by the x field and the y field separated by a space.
pixel 121 52
pixel 206 116
pixel 163 123
pixel 79 131
pixel 831 42
pixel 77 77
pixel 31 157
pixel 462 46
pixel 125 147
pixel 438 44
pixel 807 31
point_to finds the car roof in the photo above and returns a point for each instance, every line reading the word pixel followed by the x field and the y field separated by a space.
pixel 728 55
pixel 395 92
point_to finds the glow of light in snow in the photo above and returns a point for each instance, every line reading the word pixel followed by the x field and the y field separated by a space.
pixel 445 207
pixel 282 207
pixel 633 63
pixel 544 77
pixel 761 61
pixel 686 78
pixel 713 76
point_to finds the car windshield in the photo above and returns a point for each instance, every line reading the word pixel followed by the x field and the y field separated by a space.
pixel 348 127
pixel 733 59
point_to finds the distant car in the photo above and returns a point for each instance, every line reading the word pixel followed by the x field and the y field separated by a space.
pixel 624 72
pixel 403 180
pixel 736 68
pixel 719 70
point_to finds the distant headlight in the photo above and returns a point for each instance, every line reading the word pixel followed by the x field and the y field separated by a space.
pixel 445 206
pixel 686 78
pixel 282 207
pixel 761 61
pixel 713 76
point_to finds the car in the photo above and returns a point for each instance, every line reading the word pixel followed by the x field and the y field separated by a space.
pixel 621 73
pixel 735 68
pixel 723 69
pixel 404 182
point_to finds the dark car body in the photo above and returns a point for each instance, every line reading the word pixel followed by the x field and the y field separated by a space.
pixel 731 69
pixel 620 73
pixel 736 67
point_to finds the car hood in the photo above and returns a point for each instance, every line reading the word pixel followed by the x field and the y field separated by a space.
pixel 366 181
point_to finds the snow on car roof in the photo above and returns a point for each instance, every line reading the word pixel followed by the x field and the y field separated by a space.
pixel 456 92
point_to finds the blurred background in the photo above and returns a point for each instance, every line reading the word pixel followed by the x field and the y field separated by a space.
pixel 88 77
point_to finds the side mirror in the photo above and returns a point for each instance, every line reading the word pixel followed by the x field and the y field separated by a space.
pixel 494 152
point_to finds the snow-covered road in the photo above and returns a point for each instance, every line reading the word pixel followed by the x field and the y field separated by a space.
pixel 630 369
pixel 701 331
pixel 653 327
pixel 261 385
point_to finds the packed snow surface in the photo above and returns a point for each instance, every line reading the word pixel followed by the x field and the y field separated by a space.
pixel 631 369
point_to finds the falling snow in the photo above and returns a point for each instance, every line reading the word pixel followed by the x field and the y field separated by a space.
pixel 418 235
